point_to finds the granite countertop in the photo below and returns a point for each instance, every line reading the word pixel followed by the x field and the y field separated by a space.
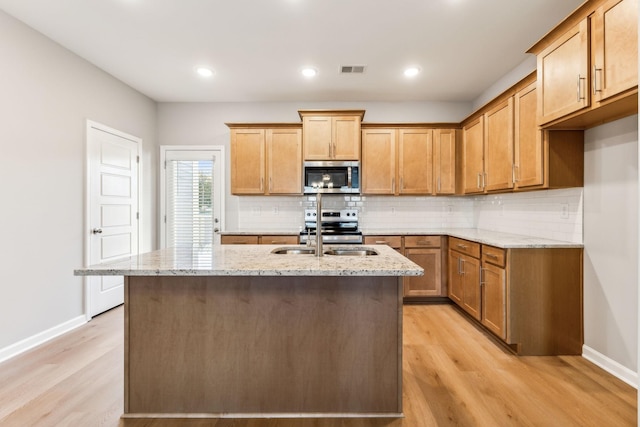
pixel 255 260
pixel 486 237
pixel 493 238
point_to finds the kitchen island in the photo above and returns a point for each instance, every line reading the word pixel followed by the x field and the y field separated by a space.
pixel 239 331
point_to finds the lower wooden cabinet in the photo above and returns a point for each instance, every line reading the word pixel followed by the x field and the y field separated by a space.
pixel 493 286
pixel 531 298
pixel 429 252
pixel 251 239
pixel 464 276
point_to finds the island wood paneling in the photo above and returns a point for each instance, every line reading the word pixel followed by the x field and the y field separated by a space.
pixel 263 345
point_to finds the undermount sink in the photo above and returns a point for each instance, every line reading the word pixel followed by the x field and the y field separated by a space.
pixel 345 251
pixel 294 251
pixel 351 252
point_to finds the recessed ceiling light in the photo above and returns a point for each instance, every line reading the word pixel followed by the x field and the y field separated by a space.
pixel 204 71
pixel 412 71
pixel 309 72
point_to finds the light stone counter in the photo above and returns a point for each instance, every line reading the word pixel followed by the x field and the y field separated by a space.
pixel 255 260
pixel 493 238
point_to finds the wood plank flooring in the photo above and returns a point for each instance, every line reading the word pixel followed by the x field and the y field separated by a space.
pixel 454 375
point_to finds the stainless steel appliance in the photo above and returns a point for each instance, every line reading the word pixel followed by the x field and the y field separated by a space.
pixel 331 177
pixel 339 226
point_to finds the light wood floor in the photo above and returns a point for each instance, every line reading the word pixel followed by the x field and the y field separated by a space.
pixel 454 375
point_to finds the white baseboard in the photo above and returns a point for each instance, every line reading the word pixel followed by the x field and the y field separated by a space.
pixel 614 368
pixel 40 338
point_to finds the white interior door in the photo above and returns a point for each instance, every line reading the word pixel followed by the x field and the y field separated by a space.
pixel 192 196
pixel 113 160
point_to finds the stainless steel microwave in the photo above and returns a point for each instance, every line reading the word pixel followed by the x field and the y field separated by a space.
pixel 331 177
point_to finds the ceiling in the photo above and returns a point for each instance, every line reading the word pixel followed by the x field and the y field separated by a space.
pixel 257 48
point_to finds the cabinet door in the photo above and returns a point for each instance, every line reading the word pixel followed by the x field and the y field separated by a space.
pixel 455 277
pixel 498 147
pixel 471 285
pixel 494 299
pixel 247 161
pixel 378 169
pixel 444 161
pixel 317 137
pixel 415 161
pixel 345 138
pixel 239 239
pixel 614 34
pixel 430 284
pixel 472 165
pixel 562 75
pixel 528 147
pixel 284 161
pixel 279 240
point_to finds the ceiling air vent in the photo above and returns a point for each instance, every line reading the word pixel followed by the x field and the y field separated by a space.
pixel 352 69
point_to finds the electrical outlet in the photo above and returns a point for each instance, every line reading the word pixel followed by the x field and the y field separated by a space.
pixel 564 210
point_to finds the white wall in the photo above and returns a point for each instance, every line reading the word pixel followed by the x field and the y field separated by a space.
pixel 47 94
pixel 610 238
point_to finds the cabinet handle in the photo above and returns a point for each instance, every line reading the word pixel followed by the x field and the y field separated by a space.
pixel 460 245
pixel 478 181
pixel 423 242
pixel 459 267
pixel 439 185
pixel 580 96
pixel 595 79
pixel 462 264
pixel 261 184
pixel 492 256
pixel 484 180
pixel 401 183
pixel 482 282
pixel 270 185
pixel 393 185
pixel 381 242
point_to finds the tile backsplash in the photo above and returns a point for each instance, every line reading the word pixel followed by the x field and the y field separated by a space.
pixel 553 214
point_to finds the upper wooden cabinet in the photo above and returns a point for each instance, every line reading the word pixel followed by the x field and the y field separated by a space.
pixel 472 156
pixel 528 148
pixel 588 66
pixel 400 161
pixel 378 167
pixel 487 150
pixel 331 135
pixel 563 71
pixel 614 45
pixel 444 160
pixel 266 160
pixel 415 161
pixel 498 146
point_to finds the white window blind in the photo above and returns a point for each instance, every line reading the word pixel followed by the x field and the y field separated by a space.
pixel 189 203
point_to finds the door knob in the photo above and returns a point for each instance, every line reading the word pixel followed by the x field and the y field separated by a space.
pixel 97 231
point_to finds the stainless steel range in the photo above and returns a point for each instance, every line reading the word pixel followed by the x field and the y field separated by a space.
pixel 339 226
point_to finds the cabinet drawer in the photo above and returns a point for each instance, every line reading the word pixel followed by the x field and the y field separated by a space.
pixel 465 247
pixel 422 241
pixel 279 240
pixel 239 240
pixel 493 255
pixel 394 241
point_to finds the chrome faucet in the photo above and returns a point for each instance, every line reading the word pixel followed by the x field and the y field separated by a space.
pixel 319 249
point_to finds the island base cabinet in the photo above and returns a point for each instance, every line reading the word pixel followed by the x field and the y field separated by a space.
pixel 263 345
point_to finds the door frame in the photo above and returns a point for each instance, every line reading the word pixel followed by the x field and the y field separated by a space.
pixel 163 179
pixel 87 205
